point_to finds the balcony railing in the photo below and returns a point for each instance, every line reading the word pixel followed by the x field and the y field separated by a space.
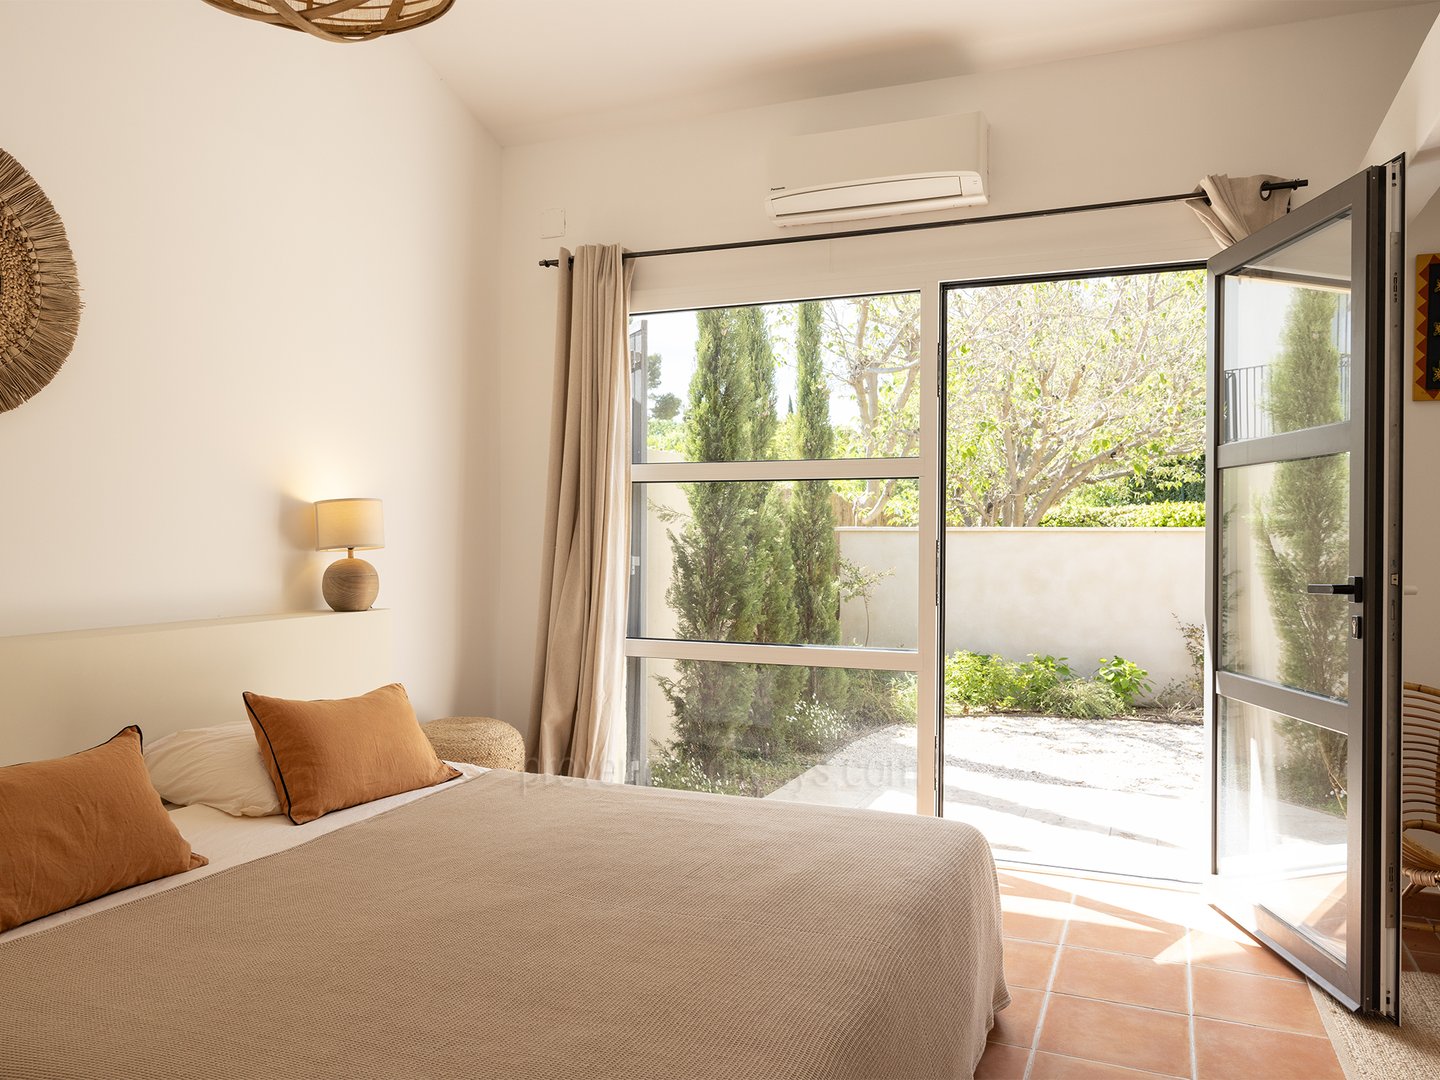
pixel 1245 405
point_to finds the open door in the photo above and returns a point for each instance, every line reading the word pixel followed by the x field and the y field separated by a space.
pixel 1302 585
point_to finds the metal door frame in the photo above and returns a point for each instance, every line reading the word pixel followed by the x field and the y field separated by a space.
pixel 1368 437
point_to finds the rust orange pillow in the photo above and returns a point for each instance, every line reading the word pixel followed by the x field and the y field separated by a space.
pixel 327 755
pixel 79 827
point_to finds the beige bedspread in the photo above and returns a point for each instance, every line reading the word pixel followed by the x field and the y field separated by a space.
pixel 525 927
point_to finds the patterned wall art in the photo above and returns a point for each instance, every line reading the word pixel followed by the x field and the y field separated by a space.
pixel 1427 328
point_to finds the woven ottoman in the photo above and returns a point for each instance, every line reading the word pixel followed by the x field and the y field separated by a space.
pixel 477 740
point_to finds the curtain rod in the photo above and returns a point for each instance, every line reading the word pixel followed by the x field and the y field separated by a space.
pixel 885 230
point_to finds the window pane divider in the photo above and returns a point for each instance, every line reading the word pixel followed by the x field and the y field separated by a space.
pixel 826 656
pixel 1287 446
pixel 1337 716
pixel 698 472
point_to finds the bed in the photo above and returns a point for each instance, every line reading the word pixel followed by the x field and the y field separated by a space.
pixel 524 926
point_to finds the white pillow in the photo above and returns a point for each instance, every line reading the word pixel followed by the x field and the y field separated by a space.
pixel 218 766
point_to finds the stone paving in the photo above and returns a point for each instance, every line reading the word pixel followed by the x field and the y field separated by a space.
pixel 1124 796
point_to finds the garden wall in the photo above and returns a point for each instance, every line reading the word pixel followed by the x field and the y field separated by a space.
pixel 1080 593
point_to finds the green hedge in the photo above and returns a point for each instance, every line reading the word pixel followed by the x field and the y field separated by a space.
pixel 1160 515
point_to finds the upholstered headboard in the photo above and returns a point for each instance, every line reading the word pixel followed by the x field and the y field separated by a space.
pixel 64 692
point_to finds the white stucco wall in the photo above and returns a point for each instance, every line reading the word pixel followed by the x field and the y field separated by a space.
pixel 1079 593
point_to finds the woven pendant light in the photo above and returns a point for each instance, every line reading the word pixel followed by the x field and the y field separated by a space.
pixel 339 20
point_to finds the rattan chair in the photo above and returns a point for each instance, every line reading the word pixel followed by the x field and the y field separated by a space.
pixel 1419 785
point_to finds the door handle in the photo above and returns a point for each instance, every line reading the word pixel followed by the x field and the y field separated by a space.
pixel 1353 588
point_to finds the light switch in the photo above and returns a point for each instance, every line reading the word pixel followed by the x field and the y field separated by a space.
pixel 552 223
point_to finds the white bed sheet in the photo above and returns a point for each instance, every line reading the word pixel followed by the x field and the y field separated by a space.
pixel 229 841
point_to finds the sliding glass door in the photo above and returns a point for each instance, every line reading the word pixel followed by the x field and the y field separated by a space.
pixel 781 504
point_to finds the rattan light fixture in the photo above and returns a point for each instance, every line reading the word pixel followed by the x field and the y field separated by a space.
pixel 339 20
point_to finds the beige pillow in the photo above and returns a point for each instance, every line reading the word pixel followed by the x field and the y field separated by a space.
pixel 217 766
pixel 327 755
pixel 82 826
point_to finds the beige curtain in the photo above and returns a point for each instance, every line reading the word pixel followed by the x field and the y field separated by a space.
pixel 1238 207
pixel 580 666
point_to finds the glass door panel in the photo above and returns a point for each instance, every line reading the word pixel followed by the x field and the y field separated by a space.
pixel 1300 605
pixel 781 605
pixel 1309 278
pixel 1283 818
pixel 1285 524
pixel 698 579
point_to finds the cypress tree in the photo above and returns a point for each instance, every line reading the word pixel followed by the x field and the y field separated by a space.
pixel 812 514
pixel 732 578
pixel 710 588
pixel 777 689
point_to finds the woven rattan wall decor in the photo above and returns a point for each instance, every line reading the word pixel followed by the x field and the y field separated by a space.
pixel 339 20
pixel 39 291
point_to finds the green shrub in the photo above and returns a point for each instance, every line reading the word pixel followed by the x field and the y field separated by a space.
pixel 1084 699
pixel 815 726
pixel 671 767
pixel 1127 679
pixel 880 698
pixel 1038 678
pixel 976 681
pixel 904 698
pixel 1160 515
pixel 1043 684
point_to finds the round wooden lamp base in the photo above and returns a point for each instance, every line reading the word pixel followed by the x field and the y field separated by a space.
pixel 350 584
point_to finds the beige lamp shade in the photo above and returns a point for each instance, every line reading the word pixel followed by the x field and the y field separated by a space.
pixel 341 524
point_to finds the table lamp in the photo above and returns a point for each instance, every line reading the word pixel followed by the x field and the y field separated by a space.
pixel 348 525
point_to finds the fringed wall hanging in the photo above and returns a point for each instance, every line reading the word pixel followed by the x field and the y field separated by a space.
pixel 39 290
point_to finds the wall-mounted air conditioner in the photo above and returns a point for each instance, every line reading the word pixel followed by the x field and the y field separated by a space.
pixel 879 171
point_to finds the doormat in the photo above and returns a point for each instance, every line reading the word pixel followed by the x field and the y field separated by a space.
pixel 1373 1049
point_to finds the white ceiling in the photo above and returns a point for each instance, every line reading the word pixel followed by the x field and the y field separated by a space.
pixel 534 70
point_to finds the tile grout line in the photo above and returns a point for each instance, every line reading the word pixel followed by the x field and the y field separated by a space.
pixel 1049 986
pixel 1147 1073
pixel 1209 967
pixel 1075 909
pixel 1190 1001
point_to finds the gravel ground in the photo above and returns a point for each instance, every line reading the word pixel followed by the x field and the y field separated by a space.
pixel 1146 754
pixel 1143 755
pixel 1123 795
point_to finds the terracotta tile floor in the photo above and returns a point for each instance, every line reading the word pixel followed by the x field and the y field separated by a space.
pixel 1123 982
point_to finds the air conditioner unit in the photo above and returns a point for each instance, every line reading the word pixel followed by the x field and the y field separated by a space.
pixel 880 171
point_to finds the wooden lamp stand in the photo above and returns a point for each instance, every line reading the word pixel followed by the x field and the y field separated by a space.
pixel 350 584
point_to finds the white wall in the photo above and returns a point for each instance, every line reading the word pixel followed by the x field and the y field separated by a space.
pixel 1302 100
pixel 286 250
pixel 1079 593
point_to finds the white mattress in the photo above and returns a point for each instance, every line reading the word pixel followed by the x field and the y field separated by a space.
pixel 229 841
